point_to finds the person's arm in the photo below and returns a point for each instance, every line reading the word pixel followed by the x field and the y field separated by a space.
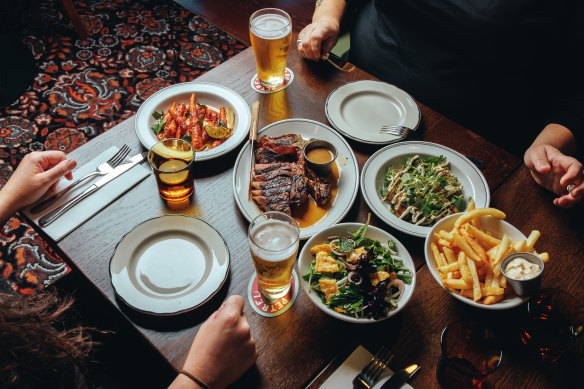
pixel 222 350
pixel 319 37
pixel 37 173
pixel 554 170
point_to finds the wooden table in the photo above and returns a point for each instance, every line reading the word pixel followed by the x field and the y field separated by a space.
pixel 299 344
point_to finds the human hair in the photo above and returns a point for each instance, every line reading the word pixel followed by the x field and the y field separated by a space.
pixel 37 346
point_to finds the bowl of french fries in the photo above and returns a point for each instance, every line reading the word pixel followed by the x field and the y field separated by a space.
pixel 464 253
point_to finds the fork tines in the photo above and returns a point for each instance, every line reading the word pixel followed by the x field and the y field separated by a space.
pixel 119 156
pixel 370 373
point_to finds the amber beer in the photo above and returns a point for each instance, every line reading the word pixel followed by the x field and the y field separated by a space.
pixel 172 162
pixel 273 240
pixel 270 30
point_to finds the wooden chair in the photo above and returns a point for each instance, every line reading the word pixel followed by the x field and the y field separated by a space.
pixel 78 24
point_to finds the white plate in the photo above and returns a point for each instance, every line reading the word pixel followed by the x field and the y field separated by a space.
pixel 472 180
pixel 346 162
pixel 498 228
pixel 359 109
pixel 169 265
pixel 209 94
pixel 305 258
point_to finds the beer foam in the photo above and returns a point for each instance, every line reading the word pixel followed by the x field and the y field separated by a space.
pixel 271 26
pixel 278 240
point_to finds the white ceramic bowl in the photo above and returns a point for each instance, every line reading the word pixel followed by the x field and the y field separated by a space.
pixel 498 228
pixel 305 258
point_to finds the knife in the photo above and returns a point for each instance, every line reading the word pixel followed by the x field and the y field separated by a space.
pixel 253 134
pixel 401 377
pixel 339 62
pixel 54 214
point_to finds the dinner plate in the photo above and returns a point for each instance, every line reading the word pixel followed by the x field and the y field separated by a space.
pixel 348 183
pixel 209 94
pixel 473 182
pixel 497 227
pixel 358 110
pixel 169 265
pixel 305 258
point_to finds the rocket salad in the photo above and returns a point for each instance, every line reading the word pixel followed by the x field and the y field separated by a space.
pixel 423 190
pixel 358 276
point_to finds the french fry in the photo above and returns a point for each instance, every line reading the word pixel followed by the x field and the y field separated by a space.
pixel 449 268
pixel 545 257
pixel 437 256
pixel 531 239
pixel 449 254
pixel 477 213
pixel 486 291
pixel 501 251
pixel 456 284
pixel 465 273
pixel 489 300
pixel 460 242
pixel 445 243
pixel 474 245
pixel 477 294
pixel 481 236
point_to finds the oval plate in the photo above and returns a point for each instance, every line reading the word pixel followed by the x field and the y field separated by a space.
pixel 305 258
pixel 498 228
pixel 169 265
pixel 346 162
pixel 358 110
pixel 209 94
pixel 472 180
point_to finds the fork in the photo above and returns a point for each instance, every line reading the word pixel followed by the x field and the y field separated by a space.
pixel 101 170
pixel 367 378
pixel 400 131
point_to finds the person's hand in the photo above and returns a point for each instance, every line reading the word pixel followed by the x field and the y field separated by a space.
pixel 318 38
pixel 37 173
pixel 223 348
pixel 554 171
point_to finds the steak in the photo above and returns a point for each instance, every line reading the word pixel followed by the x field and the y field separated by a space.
pixel 280 180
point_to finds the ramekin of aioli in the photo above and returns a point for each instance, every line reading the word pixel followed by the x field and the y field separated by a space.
pixel 523 272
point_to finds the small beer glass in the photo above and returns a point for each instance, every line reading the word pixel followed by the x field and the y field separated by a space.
pixel 273 241
pixel 270 31
pixel 172 161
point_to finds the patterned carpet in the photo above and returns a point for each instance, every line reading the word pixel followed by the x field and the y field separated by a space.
pixel 85 87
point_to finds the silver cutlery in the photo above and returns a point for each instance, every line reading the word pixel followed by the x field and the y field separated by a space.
pixel 401 377
pixel 400 131
pixel 335 60
pixel 253 135
pixel 367 378
pixel 54 214
pixel 101 170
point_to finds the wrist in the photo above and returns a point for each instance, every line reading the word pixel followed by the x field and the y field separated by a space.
pixel 194 379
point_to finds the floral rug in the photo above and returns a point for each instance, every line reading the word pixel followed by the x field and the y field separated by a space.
pixel 85 87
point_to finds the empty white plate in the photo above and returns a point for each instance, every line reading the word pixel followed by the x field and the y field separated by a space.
pixel 359 109
pixel 169 265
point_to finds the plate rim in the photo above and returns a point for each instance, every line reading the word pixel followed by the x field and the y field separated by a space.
pixel 350 136
pixel 388 221
pixel 228 267
pixel 340 316
pixel 249 218
pixel 494 307
pixel 238 140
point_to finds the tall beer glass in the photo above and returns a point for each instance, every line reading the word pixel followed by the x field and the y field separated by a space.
pixel 270 30
pixel 273 241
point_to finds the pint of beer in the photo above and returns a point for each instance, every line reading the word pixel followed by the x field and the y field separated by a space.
pixel 270 30
pixel 273 241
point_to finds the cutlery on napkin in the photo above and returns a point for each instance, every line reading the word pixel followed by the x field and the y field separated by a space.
pixel 342 377
pixel 94 203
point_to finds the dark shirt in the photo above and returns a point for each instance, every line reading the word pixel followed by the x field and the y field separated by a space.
pixel 503 69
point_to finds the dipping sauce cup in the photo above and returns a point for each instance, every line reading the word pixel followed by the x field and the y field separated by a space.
pixel 172 161
pixel 523 272
pixel 320 156
pixel 470 352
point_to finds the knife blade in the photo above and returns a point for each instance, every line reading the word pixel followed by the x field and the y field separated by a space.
pixel 401 377
pixel 339 62
pixel 253 134
pixel 57 212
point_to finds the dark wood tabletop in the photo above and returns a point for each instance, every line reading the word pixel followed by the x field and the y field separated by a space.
pixel 296 346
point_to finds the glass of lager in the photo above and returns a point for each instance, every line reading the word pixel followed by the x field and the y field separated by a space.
pixel 270 30
pixel 172 161
pixel 273 241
